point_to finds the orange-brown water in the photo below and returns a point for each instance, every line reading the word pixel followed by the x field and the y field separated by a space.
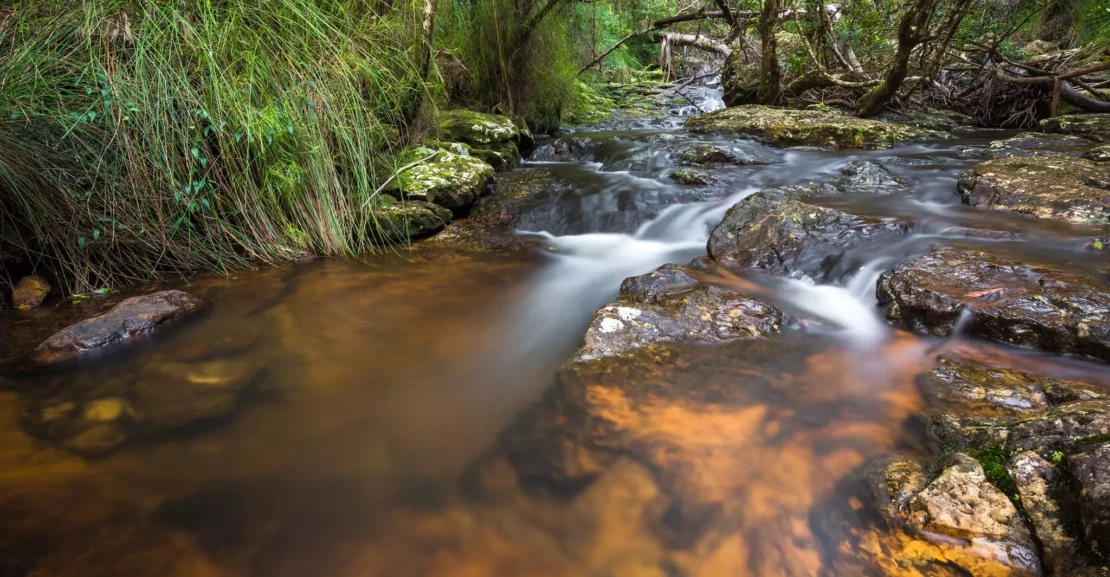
pixel 395 422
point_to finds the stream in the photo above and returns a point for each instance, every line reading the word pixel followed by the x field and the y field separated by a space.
pixel 387 385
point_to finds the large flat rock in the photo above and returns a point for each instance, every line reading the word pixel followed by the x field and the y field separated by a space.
pixel 1093 126
pixel 1060 188
pixel 1051 309
pixel 790 127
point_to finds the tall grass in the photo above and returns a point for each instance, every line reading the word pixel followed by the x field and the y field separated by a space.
pixel 140 138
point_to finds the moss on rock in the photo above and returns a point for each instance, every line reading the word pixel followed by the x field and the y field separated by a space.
pixel 477 128
pixel 1062 188
pixel 453 181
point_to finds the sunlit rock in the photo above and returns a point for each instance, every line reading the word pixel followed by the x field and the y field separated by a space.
pixel 1098 153
pixel 1050 508
pixel 477 128
pixel 1058 188
pixel 788 127
pixel 1038 144
pixel 956 518
pixel 1044 307
pixel 128 319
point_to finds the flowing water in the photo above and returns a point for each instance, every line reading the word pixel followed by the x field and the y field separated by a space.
pixel 387 383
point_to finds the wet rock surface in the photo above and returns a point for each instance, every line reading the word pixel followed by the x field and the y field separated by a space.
pixel 30 292
pixel 1057 188
pixel 691 176
pixel 1093 126
pixel 515 195
pixel 982 390
pixel 1098 153
pixel 773 231
pixel 1051 309
pixel 788 127
pixel 129 319
pixel 670 305
pixel 710 155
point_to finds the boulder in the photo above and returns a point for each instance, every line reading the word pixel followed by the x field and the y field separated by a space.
pixel 957 518
pixel 402 221
pixel 453 181
pixel 930 118
pixel 1098 153
pixel 501 156
pixel 789 127
pixel 669 305
pixel 691 176
pixel 1074 190
pixel 570 149
pixel 1093 126
pixel 30 292
pixel 1049 510
pixel 476 128
pixel 775 232
pixel 128 319
pixel 514 195
pixel 1091 470
pixel 1044 307
pixel 1038 144
pixel 869 177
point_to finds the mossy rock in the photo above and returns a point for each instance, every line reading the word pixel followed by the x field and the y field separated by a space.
pixel 1060 188
pixel 404 221
pixel 1093 126
pixel 453 181
pixel 691 176
pixel 477 128
pixel 790 127
pixel 1098 153
pixel 501 155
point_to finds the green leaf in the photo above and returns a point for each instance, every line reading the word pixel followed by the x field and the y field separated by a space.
pixel 196 152
pixel 96 234
pixel 81 242
pixel 1098 244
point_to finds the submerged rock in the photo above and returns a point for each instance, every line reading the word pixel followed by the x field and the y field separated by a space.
pixel 1093 126
pixel 774 232
pixel 958 517
pixel 450 180
pixel 128 319
pixel 1058 188
pixel 30 292
pixel 789 127
pixel 477 128
pixel 398 221
pixel 172 396
pixel 669 305
pixel 1038 306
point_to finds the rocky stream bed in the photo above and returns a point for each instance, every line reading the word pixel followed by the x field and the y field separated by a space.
pixel 799 343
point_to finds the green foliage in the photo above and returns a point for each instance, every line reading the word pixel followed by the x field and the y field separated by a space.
pixel 1057 457
pixel 140 138
pixel 994 459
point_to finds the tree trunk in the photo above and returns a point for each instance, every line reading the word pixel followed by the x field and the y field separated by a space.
pixel 912 30
pixel 427 29
pixel 770 75
pixel 694 40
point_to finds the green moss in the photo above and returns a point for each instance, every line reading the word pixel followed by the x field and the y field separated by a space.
pixel 994 459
